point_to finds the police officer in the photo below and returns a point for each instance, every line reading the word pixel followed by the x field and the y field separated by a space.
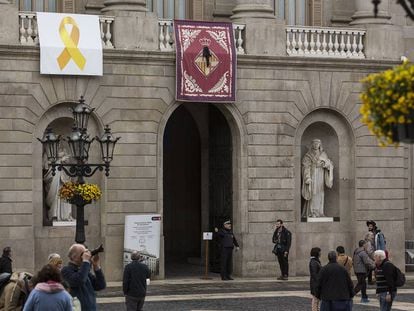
pixel 228 241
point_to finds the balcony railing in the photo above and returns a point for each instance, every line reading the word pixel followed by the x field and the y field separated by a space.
pixel 29 34
pixel 325 42
pixel 167 39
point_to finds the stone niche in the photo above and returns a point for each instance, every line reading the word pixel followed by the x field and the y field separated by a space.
pixel 329 140
pixel 57 238
pixel 336 134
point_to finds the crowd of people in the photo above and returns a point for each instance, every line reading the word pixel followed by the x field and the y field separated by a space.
pixel 67 288
pixel 331 285
pixel 55 287
pixel 73 287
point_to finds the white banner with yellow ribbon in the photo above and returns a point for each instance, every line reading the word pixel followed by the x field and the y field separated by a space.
pixel 70 44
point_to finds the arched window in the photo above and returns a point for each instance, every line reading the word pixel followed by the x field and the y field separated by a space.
pixel 170 9
pixel 299 12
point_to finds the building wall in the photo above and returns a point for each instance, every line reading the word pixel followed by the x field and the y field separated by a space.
pixel 277 98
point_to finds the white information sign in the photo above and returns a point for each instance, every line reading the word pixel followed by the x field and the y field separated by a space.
pixel 207 235
pixel 70 44
pixel 142 233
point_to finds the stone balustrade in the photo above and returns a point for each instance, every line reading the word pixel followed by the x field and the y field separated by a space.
pixel 325 42
pixel 166 36
pixel 106 34
pixel 29 34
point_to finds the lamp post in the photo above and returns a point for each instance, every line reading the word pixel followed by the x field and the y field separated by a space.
pixel 408 6
pixel 79 143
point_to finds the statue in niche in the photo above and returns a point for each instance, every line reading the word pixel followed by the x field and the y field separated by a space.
pixel 58 209
pixel 317 172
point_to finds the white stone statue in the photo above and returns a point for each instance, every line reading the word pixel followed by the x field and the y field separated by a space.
pixel 59 209
pixel 317 172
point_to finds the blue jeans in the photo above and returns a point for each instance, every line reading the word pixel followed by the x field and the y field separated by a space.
pixel 336 305
pixel 384 305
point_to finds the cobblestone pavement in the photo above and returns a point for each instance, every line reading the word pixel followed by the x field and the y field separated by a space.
pixel 196 295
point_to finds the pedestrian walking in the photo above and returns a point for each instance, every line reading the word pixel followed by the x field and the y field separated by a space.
pixel 384 275
pixel 136 276
pixel 282 238
pixel 314 268
pixel 334 287
pixel 362 264
pixel 82 282
pixel 228 242
pixel 49 293
pixel 6 260
pixel 369 247
pixel 343 259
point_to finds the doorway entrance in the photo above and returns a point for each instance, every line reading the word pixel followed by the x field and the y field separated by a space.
pixel 197 185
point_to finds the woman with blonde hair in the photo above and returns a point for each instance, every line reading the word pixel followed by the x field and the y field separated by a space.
pixel 55 260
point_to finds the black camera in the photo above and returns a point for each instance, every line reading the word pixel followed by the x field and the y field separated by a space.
pixel 97 250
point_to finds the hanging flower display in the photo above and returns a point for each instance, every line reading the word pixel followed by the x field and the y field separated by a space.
pixel 71 192
pixel 388 104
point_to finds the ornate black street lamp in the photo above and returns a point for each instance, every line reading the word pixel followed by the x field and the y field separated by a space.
pixel 79 143
pixel 408 6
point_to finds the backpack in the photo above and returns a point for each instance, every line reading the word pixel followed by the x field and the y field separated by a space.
pixel 399 277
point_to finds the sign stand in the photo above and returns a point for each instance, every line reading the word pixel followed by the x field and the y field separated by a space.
pixel 207 236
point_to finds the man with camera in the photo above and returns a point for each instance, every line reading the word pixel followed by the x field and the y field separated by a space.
pixel 82 282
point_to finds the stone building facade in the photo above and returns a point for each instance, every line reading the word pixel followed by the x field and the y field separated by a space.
pixel 196 163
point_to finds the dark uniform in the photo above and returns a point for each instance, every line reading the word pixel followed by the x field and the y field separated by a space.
pixel 228 241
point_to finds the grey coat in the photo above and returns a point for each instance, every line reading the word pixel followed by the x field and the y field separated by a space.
pixel 361 261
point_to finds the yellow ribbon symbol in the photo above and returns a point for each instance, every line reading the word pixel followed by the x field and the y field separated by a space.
pixel 71 41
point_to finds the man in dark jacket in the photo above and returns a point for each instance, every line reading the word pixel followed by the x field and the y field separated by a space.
pixel 82 282
pixel 135 283
pixel 228 241
pixel 6 261
pixel 282 238
pixel 314 268
pixel 334 287
pixel 384 274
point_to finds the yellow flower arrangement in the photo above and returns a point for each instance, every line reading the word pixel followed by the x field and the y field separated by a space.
pixel 88 192
pixel 387 101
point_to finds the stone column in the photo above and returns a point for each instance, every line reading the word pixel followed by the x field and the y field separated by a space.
pixel 9 23
pixel 94 7
pixel 383 39
pixel 253 9
pixel 364 13
pixel 264 34
pixel 134 27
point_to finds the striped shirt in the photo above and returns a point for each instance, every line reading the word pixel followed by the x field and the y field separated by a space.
pixel 384 274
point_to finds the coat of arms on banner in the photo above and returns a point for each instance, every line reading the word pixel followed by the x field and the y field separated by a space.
pixel 70 44
pixel 206 61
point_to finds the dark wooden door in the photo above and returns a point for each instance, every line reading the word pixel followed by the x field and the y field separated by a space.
pixel 220 178
pixel 182 188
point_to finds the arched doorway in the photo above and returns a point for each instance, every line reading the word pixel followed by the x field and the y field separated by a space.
pixel 197 185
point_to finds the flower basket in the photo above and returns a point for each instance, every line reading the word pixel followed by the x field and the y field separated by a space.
pixel 388 104
pixel 78 200
pixel 79 194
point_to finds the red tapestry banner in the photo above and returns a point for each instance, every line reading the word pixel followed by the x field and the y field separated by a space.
pixel 205 61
